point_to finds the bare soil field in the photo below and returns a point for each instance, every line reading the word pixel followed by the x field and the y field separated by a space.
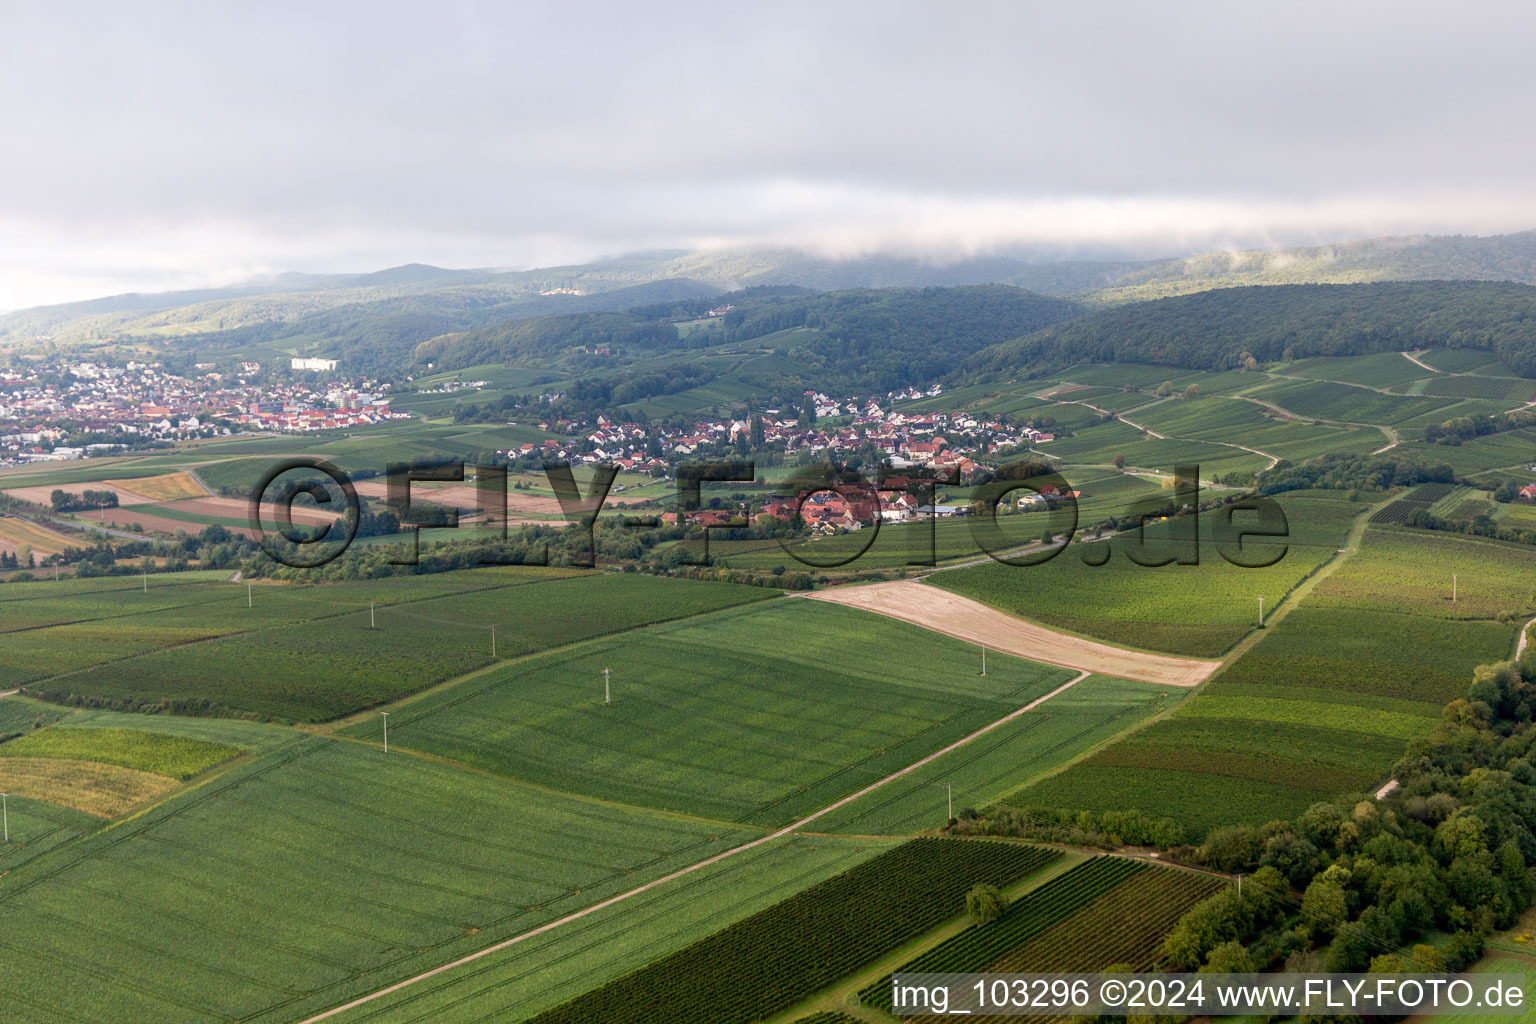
pixel 465 497
pixel 43 495
pixel 964 619
pixel 144 516
pixel 232 508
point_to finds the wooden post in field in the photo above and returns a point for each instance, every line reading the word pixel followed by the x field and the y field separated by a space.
pixel 385 714
pixel 607 693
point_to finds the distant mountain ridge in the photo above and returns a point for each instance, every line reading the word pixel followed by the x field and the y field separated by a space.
pixel 1400 258
pixel 376 319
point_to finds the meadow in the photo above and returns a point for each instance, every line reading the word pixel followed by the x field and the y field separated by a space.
pixel 757 714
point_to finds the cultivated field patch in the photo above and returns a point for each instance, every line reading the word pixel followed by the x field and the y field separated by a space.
pixel 104 790
pixel 758 714
pixel 961 617
pixel 178 757
pixel 168 487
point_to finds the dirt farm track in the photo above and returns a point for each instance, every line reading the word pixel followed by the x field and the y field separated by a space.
pixel 964 619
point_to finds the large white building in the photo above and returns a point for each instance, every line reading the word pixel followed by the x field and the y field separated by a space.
pixel 319 365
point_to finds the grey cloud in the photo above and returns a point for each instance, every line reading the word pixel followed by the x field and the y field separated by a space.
pixel 209 139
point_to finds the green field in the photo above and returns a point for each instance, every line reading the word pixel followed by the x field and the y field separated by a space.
pixel 1104 911
pixel 549 969
pixel 771 961
pixel 321 871
pixel 178 757
pixel 1326 701
pixel 984 770
pixel 759 714
pixel 1125 603
pixel 311 653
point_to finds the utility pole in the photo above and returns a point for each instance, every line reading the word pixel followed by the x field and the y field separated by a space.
pixel 1261 612
pixel 370 615
pixel 5 813
pixel 146 583
pixel 386 730
pixel 950 786
pixel 248 596
pixel 1453 588
pixel 983 658
pixel 607 693
pixel 493 641
pixel 1239 886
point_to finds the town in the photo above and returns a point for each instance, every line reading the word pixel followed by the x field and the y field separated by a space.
pixel 52 412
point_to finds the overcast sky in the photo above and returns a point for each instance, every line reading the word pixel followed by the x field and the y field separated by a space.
pixel 152 145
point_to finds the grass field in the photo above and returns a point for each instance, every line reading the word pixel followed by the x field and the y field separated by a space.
pixel 758 714
pixel 1125 603
pixel 312 654
pixel 292 883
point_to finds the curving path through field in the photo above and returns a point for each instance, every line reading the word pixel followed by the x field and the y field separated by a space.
pixel 965 619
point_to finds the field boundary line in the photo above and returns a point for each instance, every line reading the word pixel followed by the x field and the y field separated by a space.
pixel 789 829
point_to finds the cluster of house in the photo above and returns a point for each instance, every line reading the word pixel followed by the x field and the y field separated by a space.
pixel 934 440
pixel 45 408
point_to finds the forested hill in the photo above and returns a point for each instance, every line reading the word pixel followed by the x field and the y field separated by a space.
pixel 1216 330
pixel 1397 258
pixel 867 339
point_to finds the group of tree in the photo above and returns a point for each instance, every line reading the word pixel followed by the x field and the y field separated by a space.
pixel 64 501
pixel 1464 428
pixel 1351 472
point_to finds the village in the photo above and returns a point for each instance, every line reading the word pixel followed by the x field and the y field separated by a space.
pixel 66 411
pixel 957 446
